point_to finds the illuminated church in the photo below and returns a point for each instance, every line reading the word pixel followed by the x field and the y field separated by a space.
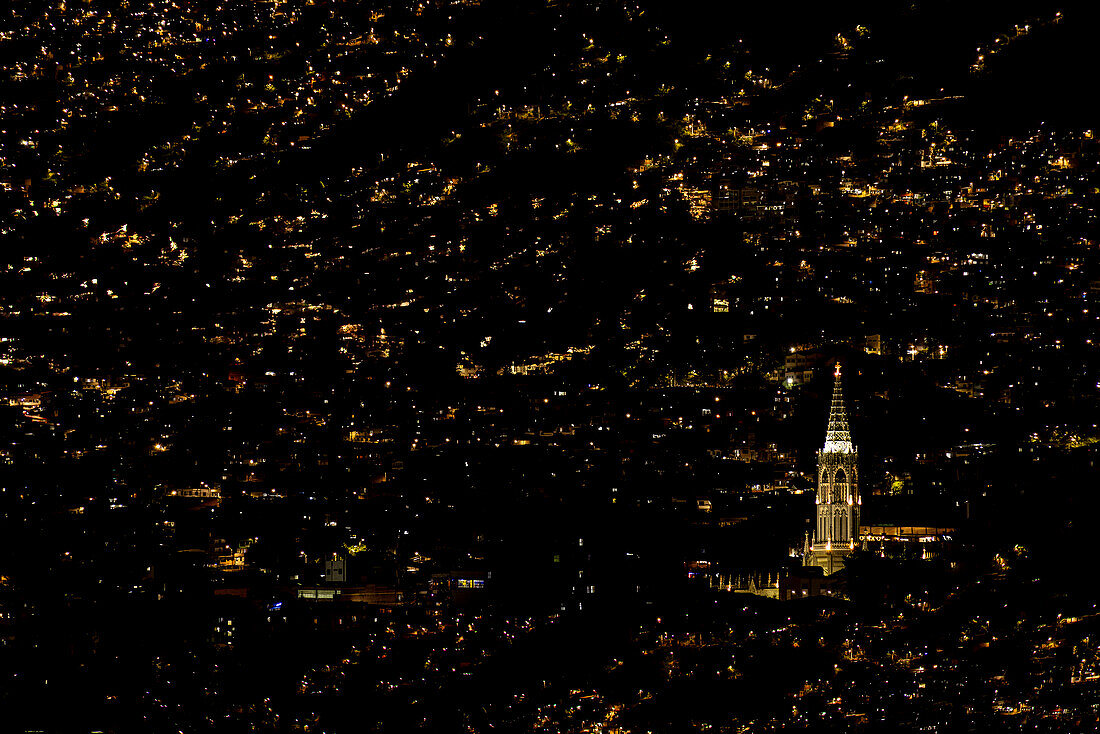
pixel 836 532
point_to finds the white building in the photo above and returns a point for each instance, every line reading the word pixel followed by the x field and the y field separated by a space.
pixel 836 531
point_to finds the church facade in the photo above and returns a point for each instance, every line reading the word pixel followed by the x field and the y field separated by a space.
pixel 837 504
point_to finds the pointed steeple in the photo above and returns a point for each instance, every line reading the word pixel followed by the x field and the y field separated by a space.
pixel 837 437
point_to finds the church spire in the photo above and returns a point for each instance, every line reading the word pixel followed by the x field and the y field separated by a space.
pixel 837 502
pixel 838 439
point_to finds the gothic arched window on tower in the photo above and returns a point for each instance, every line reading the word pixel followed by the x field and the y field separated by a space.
pixel 840 486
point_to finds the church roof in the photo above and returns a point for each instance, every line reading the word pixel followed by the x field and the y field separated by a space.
pixel 838 439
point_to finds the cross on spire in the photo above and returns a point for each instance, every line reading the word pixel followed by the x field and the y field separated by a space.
pixel 838 439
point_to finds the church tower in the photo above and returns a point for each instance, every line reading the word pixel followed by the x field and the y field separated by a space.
pixel 837 530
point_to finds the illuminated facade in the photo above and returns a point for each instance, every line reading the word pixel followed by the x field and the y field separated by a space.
pixel 836 532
